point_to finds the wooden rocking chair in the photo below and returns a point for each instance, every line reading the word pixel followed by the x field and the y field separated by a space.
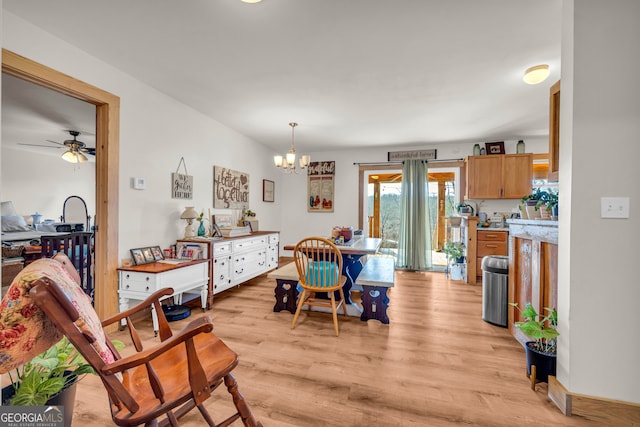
pixel 154 386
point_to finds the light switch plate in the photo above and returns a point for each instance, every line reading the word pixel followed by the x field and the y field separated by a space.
pixel 614 207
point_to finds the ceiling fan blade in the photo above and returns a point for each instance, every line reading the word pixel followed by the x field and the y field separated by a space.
pixel 39 145
pixel 54 142
pixel 89 150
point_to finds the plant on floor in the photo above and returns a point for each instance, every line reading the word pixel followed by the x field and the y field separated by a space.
pixel 454 250
pixel 542 329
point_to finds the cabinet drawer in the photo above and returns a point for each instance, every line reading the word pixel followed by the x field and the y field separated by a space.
pixel 138 282
pixel 494 236
pixel 247 244
pixel 274 239
pixel 220 249
pixel 221 274
pixel 491 248
pixel 184 278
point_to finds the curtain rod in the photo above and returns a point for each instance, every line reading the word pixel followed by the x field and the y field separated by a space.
pixel 401 162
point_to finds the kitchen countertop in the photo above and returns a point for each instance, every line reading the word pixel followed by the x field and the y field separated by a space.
pixel 493 228
pixel 542 222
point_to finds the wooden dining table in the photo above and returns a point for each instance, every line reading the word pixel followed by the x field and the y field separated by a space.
pixel 352 251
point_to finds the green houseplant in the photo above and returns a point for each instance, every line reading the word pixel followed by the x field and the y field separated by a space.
pixel 455 251
pixel 541 352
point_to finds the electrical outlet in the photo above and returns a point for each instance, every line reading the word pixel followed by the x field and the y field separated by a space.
pixel 614 207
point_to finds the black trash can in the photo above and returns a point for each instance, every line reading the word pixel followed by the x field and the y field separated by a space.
pixel 495 277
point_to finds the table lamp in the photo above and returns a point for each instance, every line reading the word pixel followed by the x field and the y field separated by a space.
pixel 189 214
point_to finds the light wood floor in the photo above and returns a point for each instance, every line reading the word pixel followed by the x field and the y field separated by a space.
pixel 436 364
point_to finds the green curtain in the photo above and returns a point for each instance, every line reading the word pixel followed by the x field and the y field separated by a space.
pixel 414 251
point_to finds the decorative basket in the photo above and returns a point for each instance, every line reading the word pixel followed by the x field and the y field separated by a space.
pixel 12 251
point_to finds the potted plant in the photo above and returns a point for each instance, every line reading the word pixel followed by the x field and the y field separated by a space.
pixel 541 352
pixel 455 251
pixel 530 201
pixel 465 209
pixel 549 201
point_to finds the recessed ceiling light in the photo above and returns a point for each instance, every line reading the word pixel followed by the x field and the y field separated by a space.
pixel 537 74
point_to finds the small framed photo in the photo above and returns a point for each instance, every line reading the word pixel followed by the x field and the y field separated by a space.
pixel 223 220
pixel 247 224
pixel 495 147
pixel 138 256
pixel 268 189
pixel 157 253
pixel 215 230
pixel 148 255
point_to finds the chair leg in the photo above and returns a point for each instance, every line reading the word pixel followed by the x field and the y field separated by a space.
pixel 301 298
pixel 241 405
pixel 344 304
pixel 334 313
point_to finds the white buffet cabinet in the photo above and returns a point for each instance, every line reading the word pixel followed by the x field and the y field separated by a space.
pixel 238 259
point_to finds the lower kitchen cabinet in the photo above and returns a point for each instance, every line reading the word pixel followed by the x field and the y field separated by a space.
pixel 490 242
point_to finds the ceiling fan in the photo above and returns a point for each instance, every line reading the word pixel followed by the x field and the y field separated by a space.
pixel 76 150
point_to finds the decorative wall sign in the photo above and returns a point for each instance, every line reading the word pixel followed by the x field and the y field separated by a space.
pixel 181 184
pixel 429 154
pixel 230 188
pixel 320 188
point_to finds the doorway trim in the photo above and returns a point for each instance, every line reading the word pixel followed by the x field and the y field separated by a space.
pixel 107 165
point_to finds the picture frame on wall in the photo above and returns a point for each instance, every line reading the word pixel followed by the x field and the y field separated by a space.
pixel 268 190
pixel 495 147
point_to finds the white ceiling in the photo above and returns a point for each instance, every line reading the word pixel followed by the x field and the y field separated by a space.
pixel 352 73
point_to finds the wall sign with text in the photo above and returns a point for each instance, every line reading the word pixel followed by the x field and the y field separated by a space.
pixel 320 188
pixel 230 188
pixel 428 154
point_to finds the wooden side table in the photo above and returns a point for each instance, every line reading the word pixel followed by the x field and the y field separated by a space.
pixel 139 281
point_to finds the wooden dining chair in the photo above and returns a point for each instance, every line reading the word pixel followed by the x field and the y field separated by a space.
pixel 152 386
pixel 319 265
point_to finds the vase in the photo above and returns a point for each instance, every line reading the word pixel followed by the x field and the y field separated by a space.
pixel 201 229
pixel 476 150
pixel 520 147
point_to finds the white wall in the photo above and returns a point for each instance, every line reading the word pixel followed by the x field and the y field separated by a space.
pixel 600 133
pixel 155 131
pixel 37 182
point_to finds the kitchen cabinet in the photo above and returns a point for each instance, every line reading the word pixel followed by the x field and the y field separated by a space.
pixel 554 132
pixel 490 242
pixel 533 268
pixel 499 176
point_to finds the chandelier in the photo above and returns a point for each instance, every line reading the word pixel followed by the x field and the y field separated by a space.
pixel 288 161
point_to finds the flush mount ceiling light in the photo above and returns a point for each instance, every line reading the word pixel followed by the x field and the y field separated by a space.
pixel 537 74
pixel 251 1
pixel 288 161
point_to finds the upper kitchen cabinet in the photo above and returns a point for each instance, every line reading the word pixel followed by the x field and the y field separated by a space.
pixel 554 132
pixel 499 176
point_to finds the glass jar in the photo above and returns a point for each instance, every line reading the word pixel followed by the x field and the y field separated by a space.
pixel 520 147
pixel 476 150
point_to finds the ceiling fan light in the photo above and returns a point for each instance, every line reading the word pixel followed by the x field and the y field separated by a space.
pixel 74 157
pixel 537 74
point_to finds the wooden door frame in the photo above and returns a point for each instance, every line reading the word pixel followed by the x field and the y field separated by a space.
pixel 107 165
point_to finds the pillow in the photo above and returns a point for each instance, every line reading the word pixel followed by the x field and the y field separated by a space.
pixel 322 274
pixel 26 332
pixel 14 223
pixel 6 208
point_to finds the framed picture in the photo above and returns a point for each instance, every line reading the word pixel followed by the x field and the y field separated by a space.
pixel 268 189
pixel 157 253
pixel 223 220
pixel 148 255
pixel 495 147
pixel 247 224
pixel 138 256
pixel 216 230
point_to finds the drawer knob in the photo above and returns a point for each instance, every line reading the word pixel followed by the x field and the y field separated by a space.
pixel 147 288
pixel 127 276
pixel 147 279
pixel 127 286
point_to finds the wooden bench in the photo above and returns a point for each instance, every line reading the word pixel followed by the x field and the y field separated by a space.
pixel 286 291
pixel 377 275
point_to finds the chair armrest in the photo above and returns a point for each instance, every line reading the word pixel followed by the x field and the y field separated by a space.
pixel 139 307
pixel 198 326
